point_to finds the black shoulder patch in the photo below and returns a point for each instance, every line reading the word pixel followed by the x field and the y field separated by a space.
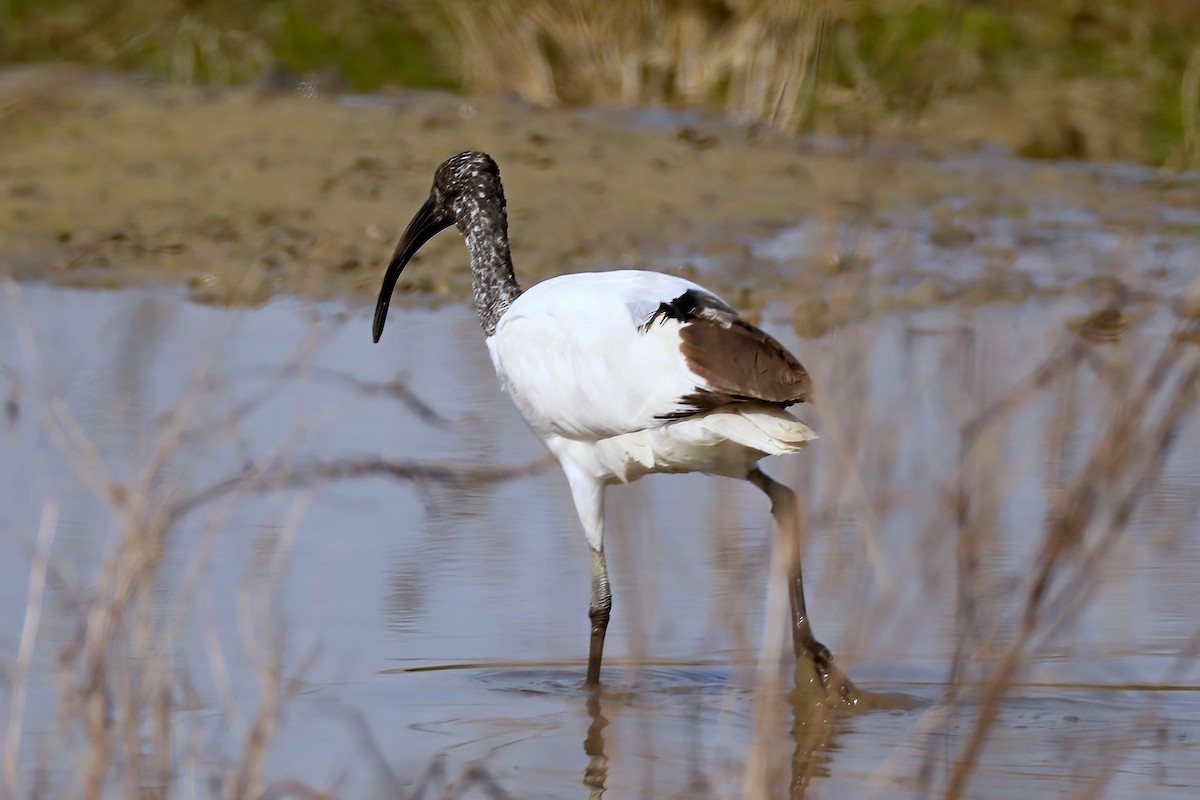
pixel 692 304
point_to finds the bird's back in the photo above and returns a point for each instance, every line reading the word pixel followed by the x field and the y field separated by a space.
pixel 594 355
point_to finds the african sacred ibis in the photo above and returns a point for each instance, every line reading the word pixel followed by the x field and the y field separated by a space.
pixel 623 374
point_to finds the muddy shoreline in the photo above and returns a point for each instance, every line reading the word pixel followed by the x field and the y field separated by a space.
pixel 243 194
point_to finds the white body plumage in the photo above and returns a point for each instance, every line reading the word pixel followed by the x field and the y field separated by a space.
pixel 599 383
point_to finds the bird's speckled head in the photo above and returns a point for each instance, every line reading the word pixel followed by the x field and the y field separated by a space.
pixel 466 192
pixel 465 180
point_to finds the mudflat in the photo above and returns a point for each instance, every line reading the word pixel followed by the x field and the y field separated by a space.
pixel 241 194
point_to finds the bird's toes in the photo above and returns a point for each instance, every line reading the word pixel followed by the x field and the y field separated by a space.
pixel 818 654
pixel 831 678
pixel 821 656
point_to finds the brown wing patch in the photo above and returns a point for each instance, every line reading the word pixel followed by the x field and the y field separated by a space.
pixel 738 362
pixel 741 362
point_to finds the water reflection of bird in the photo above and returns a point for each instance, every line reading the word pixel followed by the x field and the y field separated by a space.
pixel 623 374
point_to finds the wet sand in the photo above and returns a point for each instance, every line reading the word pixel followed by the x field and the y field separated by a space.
pixel 242 194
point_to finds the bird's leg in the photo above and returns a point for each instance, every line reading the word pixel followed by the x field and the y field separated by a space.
pixel 783 509
pixel 588 494
pixel 598 611
pixel 804 643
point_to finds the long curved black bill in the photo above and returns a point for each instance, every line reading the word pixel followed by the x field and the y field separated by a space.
pixel 423 227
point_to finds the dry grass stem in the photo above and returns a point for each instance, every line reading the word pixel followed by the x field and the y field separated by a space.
pixel 121 683
pixel 34 604
pixel 756 58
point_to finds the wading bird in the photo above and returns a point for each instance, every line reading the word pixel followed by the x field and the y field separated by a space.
pixel 623 374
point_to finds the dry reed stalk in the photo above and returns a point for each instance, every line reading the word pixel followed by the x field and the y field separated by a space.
pixel 1189 104
pixel 1086 520
pixel 276 688
pixel 34 603
pixel 852 443
pixel 120 687
pixel 756 59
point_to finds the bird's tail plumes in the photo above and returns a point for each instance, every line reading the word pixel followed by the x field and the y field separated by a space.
pixel 726 442
pixel 767 429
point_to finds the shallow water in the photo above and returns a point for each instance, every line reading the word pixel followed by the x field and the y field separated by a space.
pixel 450 622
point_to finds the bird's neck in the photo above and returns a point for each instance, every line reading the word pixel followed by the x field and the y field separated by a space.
pixel 484 226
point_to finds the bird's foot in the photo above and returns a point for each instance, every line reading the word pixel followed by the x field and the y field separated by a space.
pixel 815 667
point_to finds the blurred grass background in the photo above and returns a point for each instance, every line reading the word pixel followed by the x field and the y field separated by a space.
pixel 1103 79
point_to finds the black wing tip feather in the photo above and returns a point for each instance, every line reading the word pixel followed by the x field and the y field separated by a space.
pixel 703 401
